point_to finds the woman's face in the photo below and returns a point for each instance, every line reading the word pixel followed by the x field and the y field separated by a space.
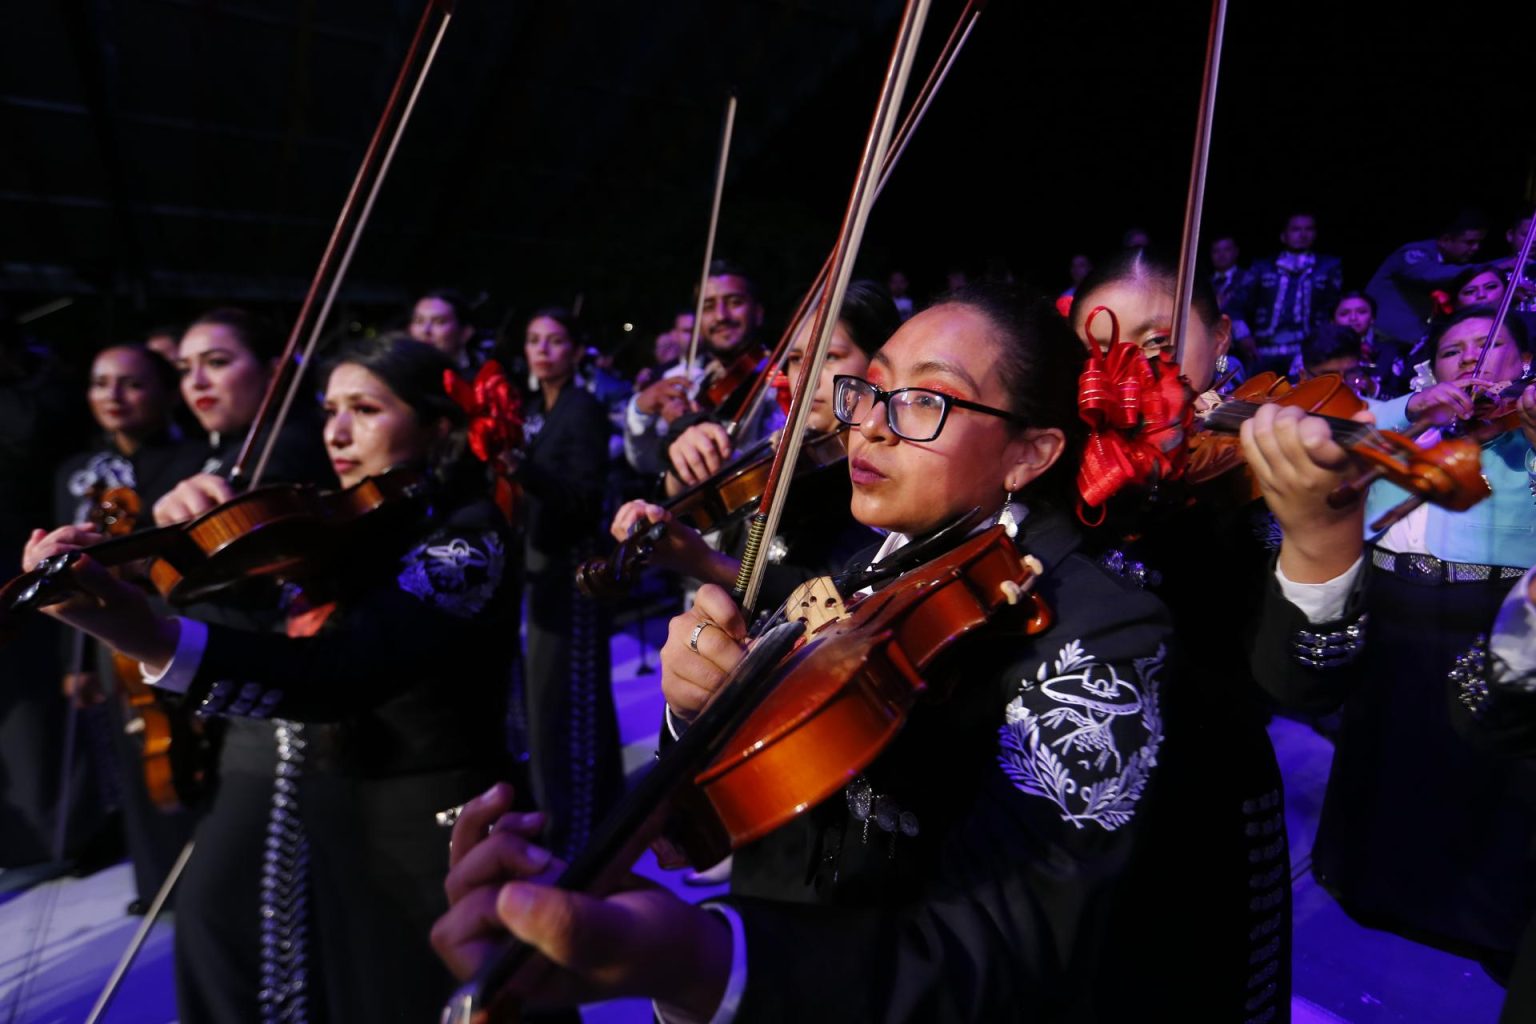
pixel 126 394
pixel 434 322
pixel 222 381
pixel 1458 350
pixel 368 428
pixel 1354 314
pixel 843 356
pixel 550 349
pixel 913 487
pixel 1484 289
pixel 1144 309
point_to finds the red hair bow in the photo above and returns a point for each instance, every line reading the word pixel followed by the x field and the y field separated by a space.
pixel 1137 418
pixel 494 409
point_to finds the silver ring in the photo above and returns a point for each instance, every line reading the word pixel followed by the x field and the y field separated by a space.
pixel 693 639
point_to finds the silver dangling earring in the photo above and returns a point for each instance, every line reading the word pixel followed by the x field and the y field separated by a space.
pixel 1221 365
pixel 1006 520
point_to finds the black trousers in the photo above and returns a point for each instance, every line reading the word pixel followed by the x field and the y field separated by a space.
pixel 1422 833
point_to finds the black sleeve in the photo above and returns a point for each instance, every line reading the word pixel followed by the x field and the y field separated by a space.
pixel 1306 666
pixel 445 600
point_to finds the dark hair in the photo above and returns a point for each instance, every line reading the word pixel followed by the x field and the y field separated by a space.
pixel 163 370
pixel 1329 341
pixel 413 371
pixel 1468 219
pixel 1040 364
pixel 1464 278
pixel 1355 293
pixel 1512 324
pixel 560 315
pixel 1297 211
pixel 256 333
pixel 729 268
pixel 869 313
pixel 456 300
pixel 1143 265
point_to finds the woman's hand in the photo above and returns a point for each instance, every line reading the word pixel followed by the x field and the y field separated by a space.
pixel 45 544
pixel 1298 464
pixel 641 941
pixel 680 549
pixel 192 497
pixel 117 614
pixel 696 660
pixel 1444 403
pixel 1528 414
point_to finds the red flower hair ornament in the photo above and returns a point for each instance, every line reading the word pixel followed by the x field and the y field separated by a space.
pixel 494 409
pixel 495 432
pixel 1138 417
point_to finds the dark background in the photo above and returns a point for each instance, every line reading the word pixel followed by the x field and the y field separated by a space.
pixel 158 157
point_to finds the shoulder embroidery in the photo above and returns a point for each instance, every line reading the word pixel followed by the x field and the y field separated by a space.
pixel 104 470
pixel 1072 753
pixel 533 426
pixel 1414 255
pixel 454 575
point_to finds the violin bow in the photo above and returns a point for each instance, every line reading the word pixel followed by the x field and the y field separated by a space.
pixel 714 223
pixel 749 580
pixel 1508 301
pixel 343 241
pixel 936 76
pixel 1194 201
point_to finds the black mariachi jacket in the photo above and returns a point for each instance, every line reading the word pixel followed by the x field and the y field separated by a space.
pixel 159 464
pixel 970 873
pixel 564 472
pixel 412 663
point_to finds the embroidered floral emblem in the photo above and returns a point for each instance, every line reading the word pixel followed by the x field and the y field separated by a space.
pixel 533 426
pixel 455 576
pixel 1267 529
pixel 1076 751
pixel 104 472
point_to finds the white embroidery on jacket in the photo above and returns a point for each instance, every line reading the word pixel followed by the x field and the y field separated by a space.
pixel 456 576
pixel 1070 754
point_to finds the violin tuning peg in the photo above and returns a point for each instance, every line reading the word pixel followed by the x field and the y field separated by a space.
pixel 1012 591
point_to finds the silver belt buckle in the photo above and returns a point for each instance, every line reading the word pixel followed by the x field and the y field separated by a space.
pixel 1420 568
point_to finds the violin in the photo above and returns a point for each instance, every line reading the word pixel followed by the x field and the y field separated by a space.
pixel 819 695
pixel 732 492
pixel 720 387
pixel 1496 408
pixel 1448 474
pixel 172 749
pixel 283 531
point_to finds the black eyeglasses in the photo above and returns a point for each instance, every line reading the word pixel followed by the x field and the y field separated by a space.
pixel 914 414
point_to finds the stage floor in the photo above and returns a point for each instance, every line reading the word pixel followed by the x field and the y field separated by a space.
pixel 60 939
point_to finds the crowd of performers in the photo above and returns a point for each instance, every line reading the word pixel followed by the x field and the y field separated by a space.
pixel 1065 787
